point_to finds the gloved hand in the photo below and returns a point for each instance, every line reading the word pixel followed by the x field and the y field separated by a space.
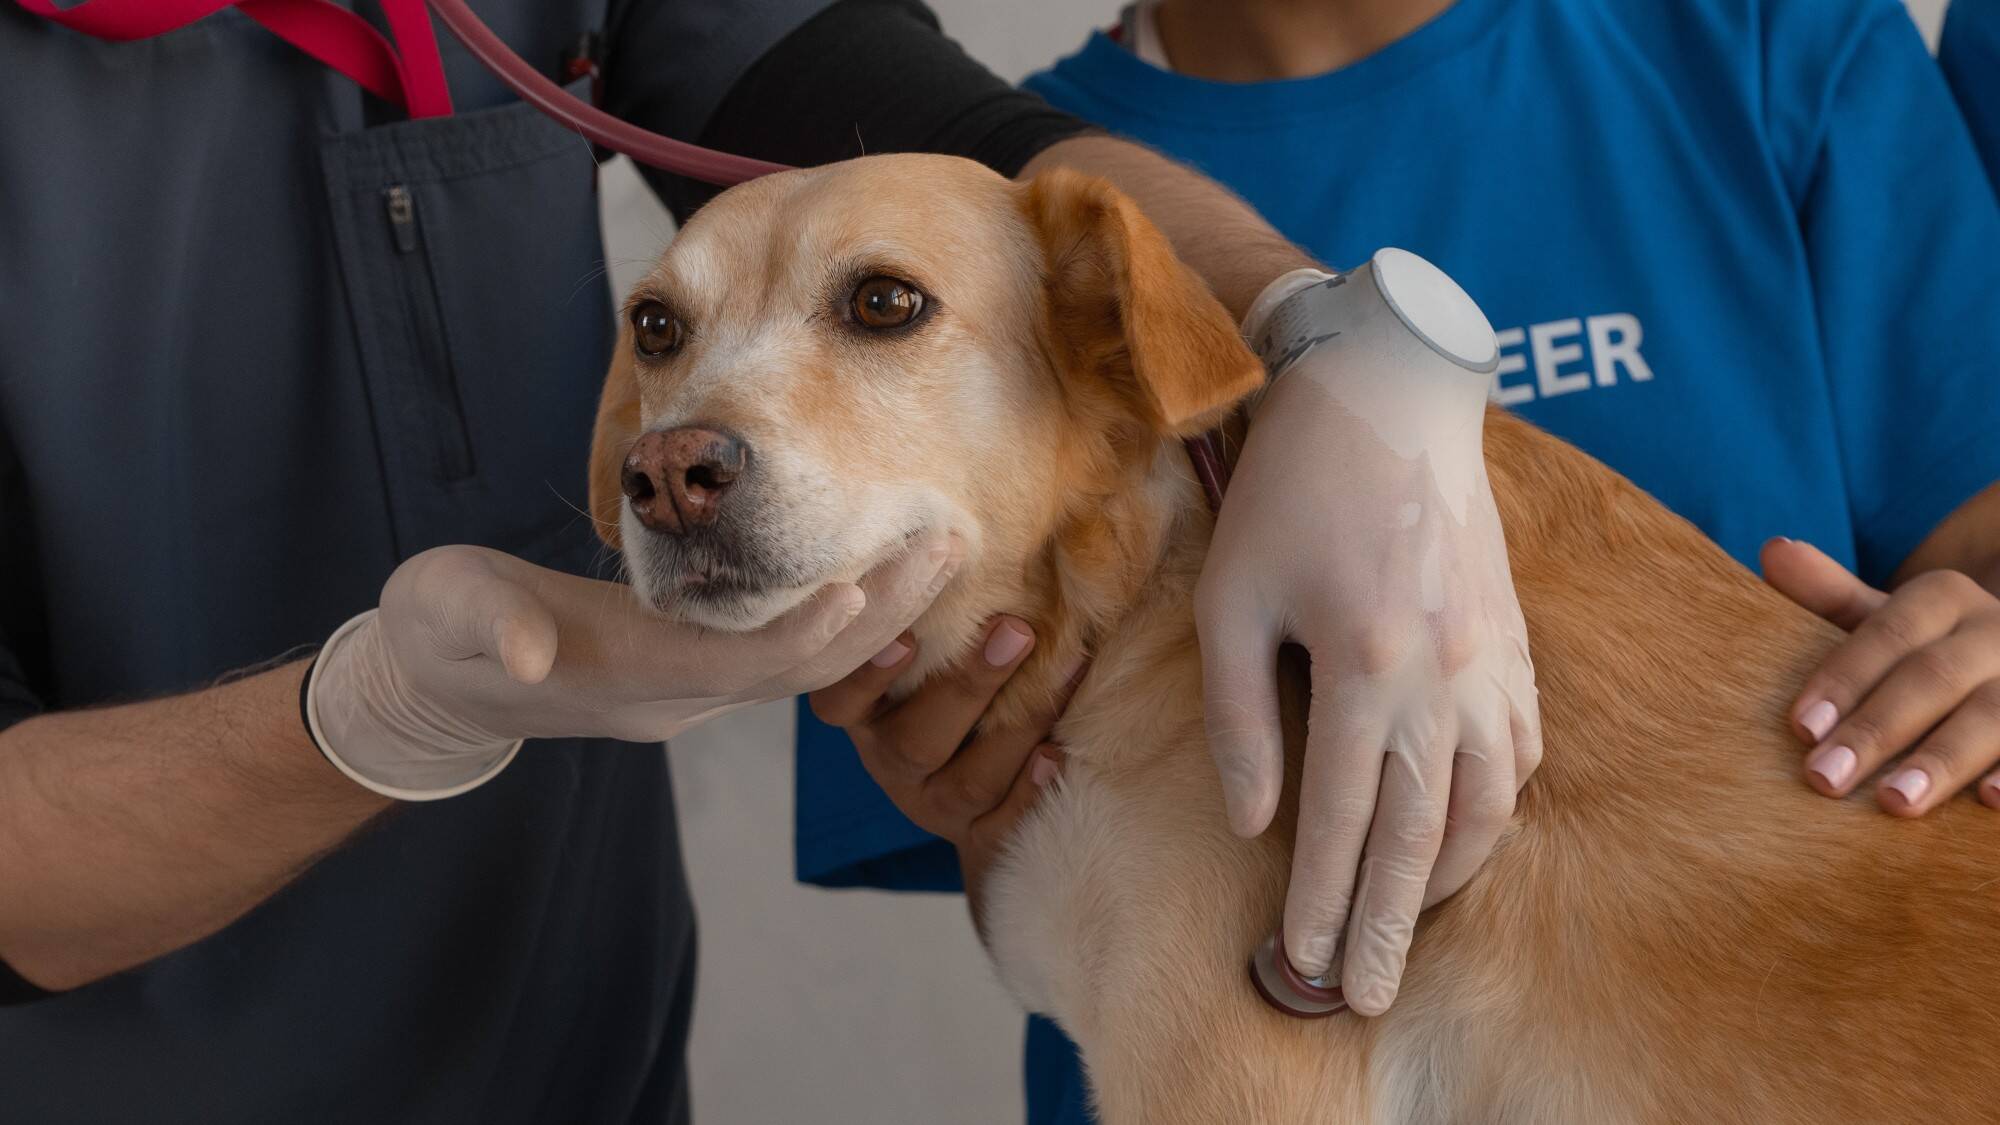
pixel 472 651
pixel 1360 524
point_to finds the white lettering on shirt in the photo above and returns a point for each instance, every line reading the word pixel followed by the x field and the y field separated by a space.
pixel 1607 352
pixel 1567 356
pixel 1550 357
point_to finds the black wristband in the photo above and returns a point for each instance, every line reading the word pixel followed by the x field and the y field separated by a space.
pixel 869 76
pixel 305 713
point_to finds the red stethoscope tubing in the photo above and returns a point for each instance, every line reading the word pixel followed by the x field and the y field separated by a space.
pixel 408 72
pixel 599 127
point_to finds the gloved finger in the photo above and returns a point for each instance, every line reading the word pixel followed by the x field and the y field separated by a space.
pixel 1403 844
pixel 1337 792
pixel 1917 694
pixel 1921 612
pixel 919 735
pixel 524 634
pixel 740 666
pixel 859 695
pixel 973 781
pixel 898 592
pixel 1239 685
pixel 1959 750
pixel 1810 577
pixel 1480 807
pixel 1524 728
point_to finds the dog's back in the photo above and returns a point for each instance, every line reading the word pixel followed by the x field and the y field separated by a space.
pixel 1676 930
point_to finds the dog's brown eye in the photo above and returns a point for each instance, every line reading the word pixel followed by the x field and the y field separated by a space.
pixel 884 302
pixel 656 331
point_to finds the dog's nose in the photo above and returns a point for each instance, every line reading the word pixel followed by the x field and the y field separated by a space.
pixel 676 478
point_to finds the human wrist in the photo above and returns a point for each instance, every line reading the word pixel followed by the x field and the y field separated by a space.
pixel 257 726
pixel 383 735
pixel 1395 332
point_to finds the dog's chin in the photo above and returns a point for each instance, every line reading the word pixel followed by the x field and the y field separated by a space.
pixel 740 591
pixel 730 610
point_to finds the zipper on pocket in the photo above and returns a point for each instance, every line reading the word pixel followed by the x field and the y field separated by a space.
pixel 430 354
pixel 402 218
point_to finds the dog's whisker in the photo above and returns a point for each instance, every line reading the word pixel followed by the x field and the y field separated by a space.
pixel 574 507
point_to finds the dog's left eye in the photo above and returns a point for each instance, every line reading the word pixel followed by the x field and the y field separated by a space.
pixel 655 329
pixel 886 302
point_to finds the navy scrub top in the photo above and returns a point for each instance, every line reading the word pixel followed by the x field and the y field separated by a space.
pixel 236 389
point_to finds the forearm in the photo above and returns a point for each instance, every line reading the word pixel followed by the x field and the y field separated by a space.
pixel 1214 232
pixel 1967 541
pixel 128 832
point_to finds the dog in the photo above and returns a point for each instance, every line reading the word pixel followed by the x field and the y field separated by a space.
pixel 1672 929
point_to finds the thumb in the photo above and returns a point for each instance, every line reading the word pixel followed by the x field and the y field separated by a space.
pixel 475 607
pixel 1808 576
pixel 516 629
pixel 524 638
pixel 1239 684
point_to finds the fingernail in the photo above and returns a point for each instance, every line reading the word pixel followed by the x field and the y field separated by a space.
pixel 1834 764
pixel 945 556
pixel 1819 719
pixel 1073 674
pixel 850 601
pixel 1007 642
pixel 1990 791
pixel 1912 784
pixel 1043 771
pixel 893 652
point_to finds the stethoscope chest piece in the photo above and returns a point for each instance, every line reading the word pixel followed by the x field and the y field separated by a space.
pixel 1283 987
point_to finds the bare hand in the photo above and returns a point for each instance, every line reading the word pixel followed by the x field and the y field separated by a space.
pixel 969 786
pixel 1920 672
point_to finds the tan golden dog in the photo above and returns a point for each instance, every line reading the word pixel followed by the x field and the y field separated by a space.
pixel 1675 929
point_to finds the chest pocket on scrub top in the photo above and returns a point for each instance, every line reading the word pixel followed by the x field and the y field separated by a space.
pixel 470 254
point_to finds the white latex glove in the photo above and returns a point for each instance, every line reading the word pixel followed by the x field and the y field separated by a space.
pixel 1359 523
pixel 472 651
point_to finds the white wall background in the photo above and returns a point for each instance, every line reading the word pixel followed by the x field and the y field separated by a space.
pixel 851 1007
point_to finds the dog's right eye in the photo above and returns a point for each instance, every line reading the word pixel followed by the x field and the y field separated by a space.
pixel 656 331
pixel 886 302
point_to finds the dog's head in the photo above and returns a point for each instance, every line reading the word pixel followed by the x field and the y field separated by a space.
pixel 827 361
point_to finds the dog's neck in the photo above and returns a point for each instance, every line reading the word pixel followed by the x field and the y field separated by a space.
pixel 1120 565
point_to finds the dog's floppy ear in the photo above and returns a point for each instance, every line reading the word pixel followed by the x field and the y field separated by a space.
pixel 617 429
pixel 1125 308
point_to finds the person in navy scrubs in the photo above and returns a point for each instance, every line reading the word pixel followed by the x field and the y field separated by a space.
pixel 1740 250
pixel 275 356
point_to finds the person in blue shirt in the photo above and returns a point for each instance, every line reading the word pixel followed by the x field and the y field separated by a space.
pixel 1969 52
pixel 1741 250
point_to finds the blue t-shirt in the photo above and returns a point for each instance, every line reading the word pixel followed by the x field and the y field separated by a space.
pixel 1970 55
pixel 1741 250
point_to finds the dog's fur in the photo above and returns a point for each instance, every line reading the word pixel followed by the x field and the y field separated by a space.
pixel 1674 929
